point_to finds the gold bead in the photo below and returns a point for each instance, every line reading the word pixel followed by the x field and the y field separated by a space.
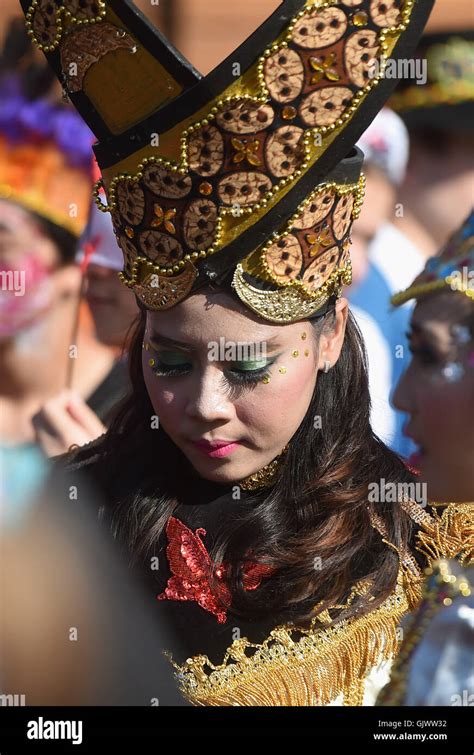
pixel 282 370
pixel 295 353
pixel 266 379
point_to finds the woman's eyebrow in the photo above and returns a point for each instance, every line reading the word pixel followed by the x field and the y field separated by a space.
pixel 425 331
pixel 160 340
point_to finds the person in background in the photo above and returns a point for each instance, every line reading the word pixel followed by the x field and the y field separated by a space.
pixel 76 624
pixel 435 665
pixel 113 306
pixel 46 345
pixel 438 110
pixel 376 254
pixel 61 421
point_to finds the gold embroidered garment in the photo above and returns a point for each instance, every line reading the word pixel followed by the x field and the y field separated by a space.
pixel 345 663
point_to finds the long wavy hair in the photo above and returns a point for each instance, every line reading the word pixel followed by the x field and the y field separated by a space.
pixel 313 526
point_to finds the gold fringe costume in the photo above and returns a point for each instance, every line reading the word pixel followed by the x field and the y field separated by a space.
pixel 327 665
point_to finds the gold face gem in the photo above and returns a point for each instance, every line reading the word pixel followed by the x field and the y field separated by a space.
pixel 266 379
pixel 282 370
pixel 205 188
pixel 151 362
pixel 303 336
pixel 295 353
pixel 288 113
pixel 306 352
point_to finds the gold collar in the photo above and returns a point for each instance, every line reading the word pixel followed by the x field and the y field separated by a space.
pixel 264 476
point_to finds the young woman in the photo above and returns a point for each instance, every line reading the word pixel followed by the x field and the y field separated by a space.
pixel 437 391
pixel 240 472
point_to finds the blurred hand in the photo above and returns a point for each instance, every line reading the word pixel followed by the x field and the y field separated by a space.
pixel 63 421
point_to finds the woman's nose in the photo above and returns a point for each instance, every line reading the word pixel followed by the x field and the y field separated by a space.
pixel 401 398
pixel 207 398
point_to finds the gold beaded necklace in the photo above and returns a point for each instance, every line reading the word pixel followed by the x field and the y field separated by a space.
pixel 264 476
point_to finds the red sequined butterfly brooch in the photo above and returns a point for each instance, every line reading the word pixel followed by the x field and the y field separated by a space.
pixel 191 568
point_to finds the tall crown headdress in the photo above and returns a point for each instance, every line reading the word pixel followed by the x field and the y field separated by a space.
pixel 241 178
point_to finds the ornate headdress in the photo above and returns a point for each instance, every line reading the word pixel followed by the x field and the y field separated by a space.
pixel 238 175
pixel 453 267
pixel 46 164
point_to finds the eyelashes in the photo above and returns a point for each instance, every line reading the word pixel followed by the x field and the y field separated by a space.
pixel 236 378
pixel 423 353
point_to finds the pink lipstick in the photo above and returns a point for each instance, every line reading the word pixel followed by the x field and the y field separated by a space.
pixel 217 449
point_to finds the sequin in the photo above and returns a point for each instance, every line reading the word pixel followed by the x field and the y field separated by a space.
pixel 205 188
pixel 289 112
pixel 360 19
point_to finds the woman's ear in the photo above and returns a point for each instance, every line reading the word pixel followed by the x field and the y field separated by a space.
pixel 330 341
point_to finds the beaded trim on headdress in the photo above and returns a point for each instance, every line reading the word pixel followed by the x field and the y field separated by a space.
pixel 452 268
pixel 203 174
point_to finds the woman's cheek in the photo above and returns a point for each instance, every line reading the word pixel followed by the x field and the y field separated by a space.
pixel 164 402
pixel 442 410
pixel 280 403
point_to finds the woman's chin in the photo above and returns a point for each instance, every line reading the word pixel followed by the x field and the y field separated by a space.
pixel 221 470
pixel 215 470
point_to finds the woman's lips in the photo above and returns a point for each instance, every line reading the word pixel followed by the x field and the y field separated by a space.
pixel 216 449
pixel 416 459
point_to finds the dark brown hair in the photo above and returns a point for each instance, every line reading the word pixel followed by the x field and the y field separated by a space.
pixel 318 509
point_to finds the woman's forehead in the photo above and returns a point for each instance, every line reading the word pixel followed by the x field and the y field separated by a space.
pixel 204 317
pixel 440 311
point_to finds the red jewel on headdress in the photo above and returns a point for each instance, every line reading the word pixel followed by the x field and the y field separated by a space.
pixel 191 568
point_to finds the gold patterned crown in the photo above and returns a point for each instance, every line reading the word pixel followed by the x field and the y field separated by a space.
pixel 239 175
